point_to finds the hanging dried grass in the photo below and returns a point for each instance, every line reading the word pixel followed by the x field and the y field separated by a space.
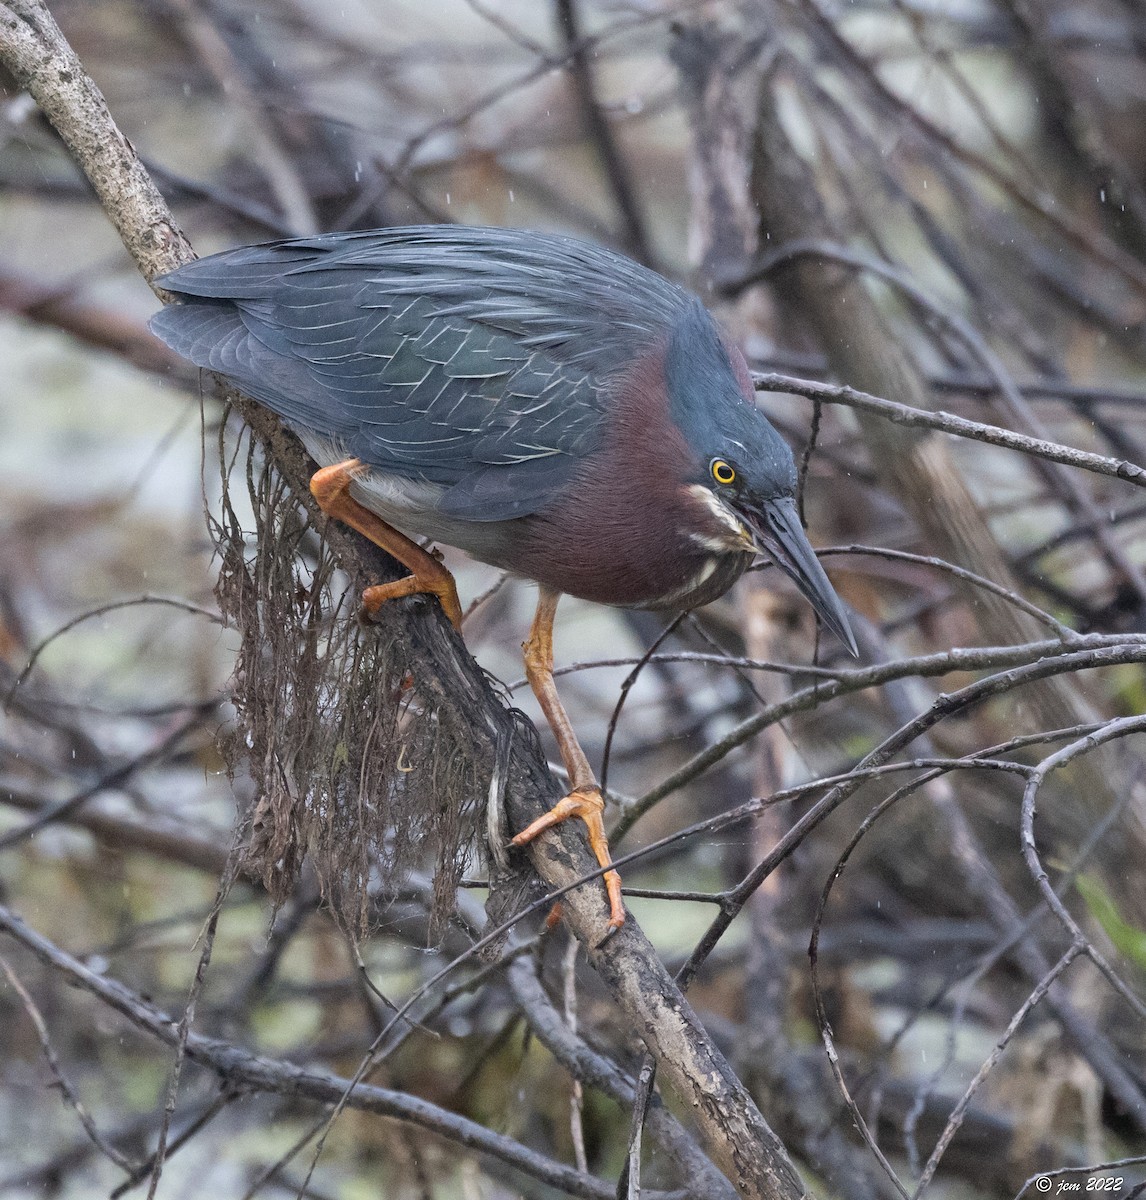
pixel 358 765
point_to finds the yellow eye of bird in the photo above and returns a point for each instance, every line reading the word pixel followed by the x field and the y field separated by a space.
pixel 722 472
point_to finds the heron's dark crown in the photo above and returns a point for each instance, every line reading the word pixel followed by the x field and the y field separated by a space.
pixel 712 402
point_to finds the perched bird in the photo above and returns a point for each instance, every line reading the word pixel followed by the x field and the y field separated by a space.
pixel 547 405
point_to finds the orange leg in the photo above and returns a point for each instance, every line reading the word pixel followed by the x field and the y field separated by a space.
pixel 584 800
pixel 331 488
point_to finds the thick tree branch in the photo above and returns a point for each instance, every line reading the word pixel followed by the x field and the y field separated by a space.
pixel 41 60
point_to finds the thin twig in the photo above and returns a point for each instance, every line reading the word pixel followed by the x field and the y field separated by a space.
pixel 945 422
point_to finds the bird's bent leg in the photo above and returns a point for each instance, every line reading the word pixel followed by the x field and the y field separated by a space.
pixel 331 488
pixel 584 800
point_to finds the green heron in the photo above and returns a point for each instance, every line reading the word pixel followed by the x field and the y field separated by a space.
pixel 546 405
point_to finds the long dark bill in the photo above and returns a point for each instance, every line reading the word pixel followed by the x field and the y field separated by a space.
pixel 776 525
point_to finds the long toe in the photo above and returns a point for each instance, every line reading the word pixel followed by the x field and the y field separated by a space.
pixel 588 805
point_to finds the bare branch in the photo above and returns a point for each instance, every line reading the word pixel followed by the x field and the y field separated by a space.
pixel 945 422
pixel 242 1069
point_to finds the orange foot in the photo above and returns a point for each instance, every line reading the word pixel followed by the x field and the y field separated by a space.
pixel 330 486
pixel 587 804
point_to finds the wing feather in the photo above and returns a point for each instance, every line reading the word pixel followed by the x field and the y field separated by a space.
pixel 477 359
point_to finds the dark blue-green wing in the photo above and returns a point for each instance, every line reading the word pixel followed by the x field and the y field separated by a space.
pixel 476 359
